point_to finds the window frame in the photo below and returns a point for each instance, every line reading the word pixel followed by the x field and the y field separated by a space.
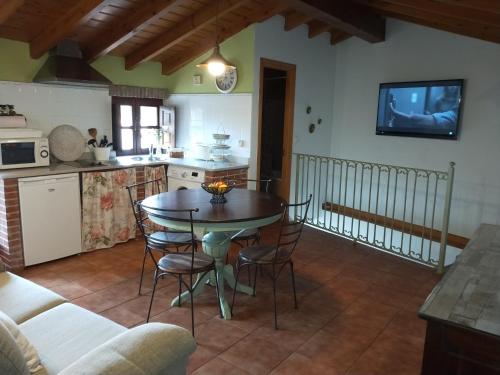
pixel 136 104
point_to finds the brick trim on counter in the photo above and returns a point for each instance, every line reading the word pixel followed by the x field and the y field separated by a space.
pixel 233 174
pixel 11 249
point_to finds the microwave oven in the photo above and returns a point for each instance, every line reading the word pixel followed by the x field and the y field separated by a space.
pixel 24 153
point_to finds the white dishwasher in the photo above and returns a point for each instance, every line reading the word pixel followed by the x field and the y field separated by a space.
pixel 50 217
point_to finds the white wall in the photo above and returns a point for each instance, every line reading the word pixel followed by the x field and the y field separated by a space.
pixel 315 61
pixel 47 106
pixel 412 53
pixel 198 116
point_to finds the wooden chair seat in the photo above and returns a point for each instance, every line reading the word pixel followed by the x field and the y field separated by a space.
pixel 262 255
pixel 180 263
pixel 170 238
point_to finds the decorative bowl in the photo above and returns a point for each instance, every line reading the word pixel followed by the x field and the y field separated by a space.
pixel 220 136
pixel 218 189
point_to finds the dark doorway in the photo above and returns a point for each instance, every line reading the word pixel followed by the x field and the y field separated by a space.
pixel 273 123
pixel 276 124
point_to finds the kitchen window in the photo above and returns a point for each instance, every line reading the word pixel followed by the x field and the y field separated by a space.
pixel 136 124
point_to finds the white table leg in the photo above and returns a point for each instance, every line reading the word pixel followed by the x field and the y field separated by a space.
pixel 216 244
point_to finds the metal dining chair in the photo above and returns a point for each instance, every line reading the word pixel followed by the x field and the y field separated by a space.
pixel 154 239
pixel 275 256
pixel 251 236
pixel 188 263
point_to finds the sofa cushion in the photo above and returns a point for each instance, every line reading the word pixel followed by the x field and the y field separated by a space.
pixel 28 351
pixel 66 332
pixel 12 361
pixel 149 349
pixel 22 299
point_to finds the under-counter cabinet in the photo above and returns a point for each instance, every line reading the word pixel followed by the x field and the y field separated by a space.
pixel 50 217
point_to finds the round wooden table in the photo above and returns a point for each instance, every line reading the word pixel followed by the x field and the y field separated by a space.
pixel 217 224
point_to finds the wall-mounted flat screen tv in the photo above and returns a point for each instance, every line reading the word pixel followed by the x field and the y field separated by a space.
pixel 420 109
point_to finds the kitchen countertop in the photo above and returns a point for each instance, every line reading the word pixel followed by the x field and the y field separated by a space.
pixel 120 162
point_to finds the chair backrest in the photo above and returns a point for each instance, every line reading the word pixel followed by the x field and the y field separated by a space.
pixel 186 214
pixel 290 231
pixel 264 185
pixel 140 217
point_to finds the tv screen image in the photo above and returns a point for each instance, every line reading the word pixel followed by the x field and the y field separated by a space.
pixel 420 109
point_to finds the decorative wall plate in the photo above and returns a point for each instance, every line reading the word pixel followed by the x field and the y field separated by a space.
pixel 66 143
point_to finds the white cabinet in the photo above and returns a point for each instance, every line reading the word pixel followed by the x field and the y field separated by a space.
pixel 50 217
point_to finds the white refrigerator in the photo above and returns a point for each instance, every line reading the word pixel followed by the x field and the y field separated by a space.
pixel 50 217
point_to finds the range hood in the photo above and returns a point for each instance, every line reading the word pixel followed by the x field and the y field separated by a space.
pixel 66 66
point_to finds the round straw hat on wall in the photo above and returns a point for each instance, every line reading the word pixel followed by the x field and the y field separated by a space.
pixel 66 143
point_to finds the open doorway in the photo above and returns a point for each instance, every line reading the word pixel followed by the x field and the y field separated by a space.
pixel 277 96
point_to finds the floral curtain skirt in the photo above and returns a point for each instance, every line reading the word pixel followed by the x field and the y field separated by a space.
pixel 108 218
pixel 107 214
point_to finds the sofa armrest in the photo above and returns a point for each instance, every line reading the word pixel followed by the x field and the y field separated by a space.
pixel 149 349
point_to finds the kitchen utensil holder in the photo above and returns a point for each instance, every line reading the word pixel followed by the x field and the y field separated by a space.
pixel 102 153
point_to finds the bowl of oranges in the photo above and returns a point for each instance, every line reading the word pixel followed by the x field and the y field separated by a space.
pixel 218 189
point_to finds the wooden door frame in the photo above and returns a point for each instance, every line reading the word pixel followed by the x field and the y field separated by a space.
pixel 290 70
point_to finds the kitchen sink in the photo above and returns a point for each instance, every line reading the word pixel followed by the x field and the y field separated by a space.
pixel 147 158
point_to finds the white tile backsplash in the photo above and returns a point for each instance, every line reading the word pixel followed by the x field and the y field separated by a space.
pixel 47 106
pixel 200 115
pixel 197 115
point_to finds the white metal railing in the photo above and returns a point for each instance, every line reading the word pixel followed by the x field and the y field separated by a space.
pixel 401 210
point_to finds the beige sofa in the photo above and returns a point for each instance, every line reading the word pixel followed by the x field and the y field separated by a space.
pixel 71 340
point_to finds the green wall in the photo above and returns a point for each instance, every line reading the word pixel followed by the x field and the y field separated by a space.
pixel 17 65
pixel 239 50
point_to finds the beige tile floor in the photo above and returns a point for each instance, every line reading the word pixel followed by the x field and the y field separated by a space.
pixel 357 309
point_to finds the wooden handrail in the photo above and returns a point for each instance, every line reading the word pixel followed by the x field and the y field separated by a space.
pixel 399 225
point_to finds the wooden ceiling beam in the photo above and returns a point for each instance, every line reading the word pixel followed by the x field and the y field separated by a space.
pixel 432 6
pixel 125 28
pixel 79 14
pixel 8 8
pixel 483 5
pixel 316 28
pixel 344 15
pixel 450 27
pixel 438 21
pixel 260 15
pixel 294 19
pixel 337 36
pixel 181 31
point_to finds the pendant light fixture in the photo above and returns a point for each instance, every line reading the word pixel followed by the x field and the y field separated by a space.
pixel 216 64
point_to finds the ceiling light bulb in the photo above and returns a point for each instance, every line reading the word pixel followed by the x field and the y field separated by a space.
pixel 216 64
pixel 216 68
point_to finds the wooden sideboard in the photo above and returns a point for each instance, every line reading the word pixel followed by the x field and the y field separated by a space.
pixel 463 312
